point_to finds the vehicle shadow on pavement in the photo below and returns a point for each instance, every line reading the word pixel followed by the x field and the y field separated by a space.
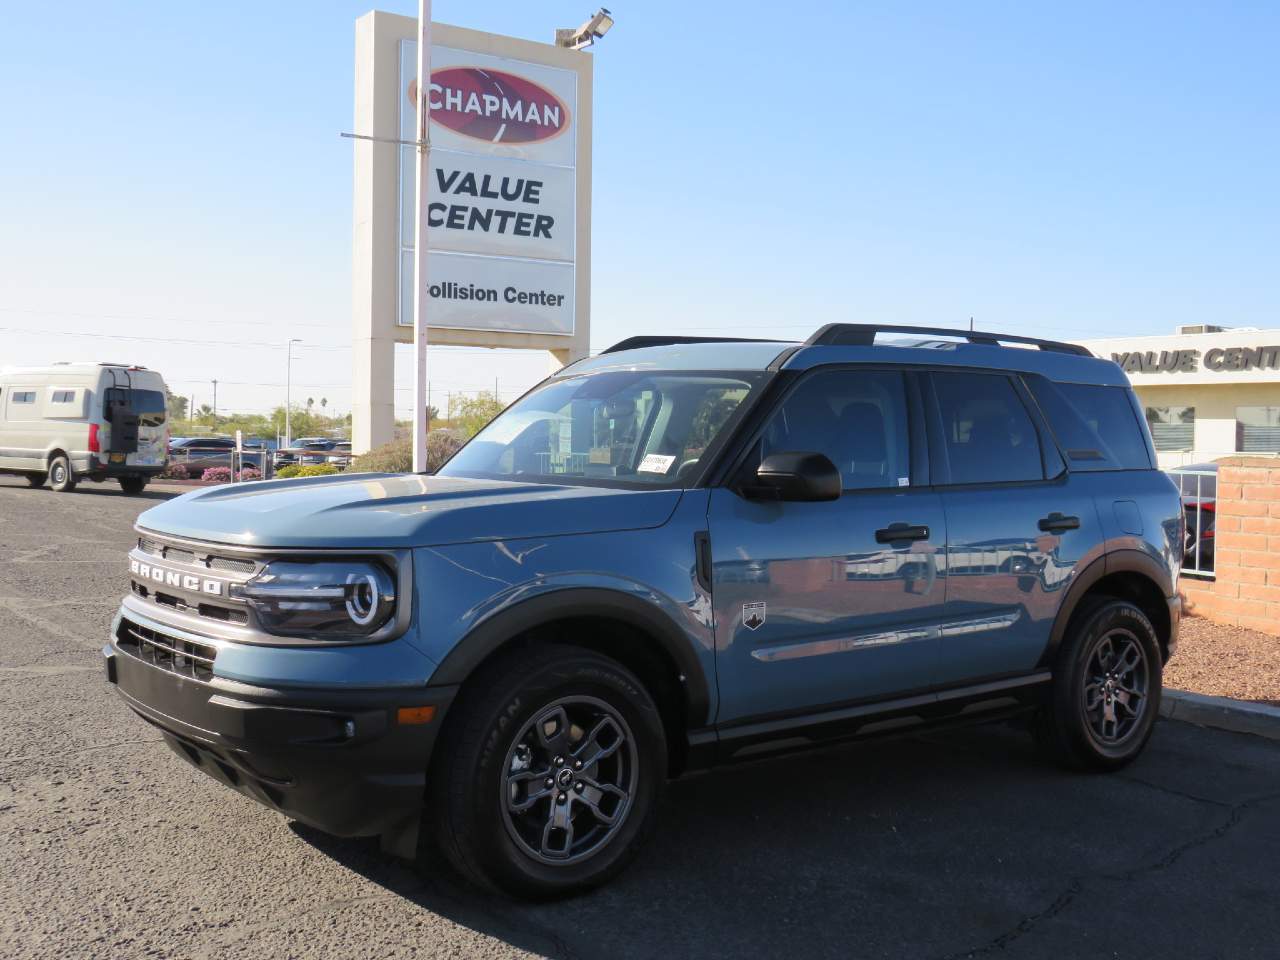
pixel 924 846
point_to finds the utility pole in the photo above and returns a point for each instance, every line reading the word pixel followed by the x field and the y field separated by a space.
pixel 428 406
pixel 288 391
pixel 495 388
pixel 421 288
pixel 215 403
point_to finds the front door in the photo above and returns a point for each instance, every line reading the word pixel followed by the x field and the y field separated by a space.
pixel 823 604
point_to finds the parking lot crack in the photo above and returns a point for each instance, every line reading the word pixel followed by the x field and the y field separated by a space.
pixel 1236 813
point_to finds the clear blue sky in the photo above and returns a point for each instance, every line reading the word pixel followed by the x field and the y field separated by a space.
pixel 1074 170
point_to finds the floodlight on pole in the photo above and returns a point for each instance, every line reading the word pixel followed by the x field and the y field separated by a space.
pixel 588 33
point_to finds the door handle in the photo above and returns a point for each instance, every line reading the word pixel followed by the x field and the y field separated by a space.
pixel 902 531
pixel 1055 522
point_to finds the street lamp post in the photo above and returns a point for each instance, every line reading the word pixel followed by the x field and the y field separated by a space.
pixel 288 390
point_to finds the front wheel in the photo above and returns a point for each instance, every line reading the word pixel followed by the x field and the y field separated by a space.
pixel 550 773
pixel 133 485
pixel 60 476
pixel 1106 688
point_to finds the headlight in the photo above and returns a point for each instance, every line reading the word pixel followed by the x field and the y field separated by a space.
pixel 334 599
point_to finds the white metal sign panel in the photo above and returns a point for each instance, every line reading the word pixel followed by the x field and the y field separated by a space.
pixel 503 188
pixel 497 293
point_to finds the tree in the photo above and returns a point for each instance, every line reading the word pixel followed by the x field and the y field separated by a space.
pixel 324 402
pixel 470 414
pixel 206 412
pixel 433 413
pixel 176 405
pixel 311 402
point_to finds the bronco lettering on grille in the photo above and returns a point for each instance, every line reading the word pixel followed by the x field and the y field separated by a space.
pixel 173 578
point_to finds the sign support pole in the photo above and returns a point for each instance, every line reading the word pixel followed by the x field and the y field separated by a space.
pixel 421 289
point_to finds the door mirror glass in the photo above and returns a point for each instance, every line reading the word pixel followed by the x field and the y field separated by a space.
pixel 796 476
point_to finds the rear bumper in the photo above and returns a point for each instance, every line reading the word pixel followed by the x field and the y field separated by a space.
pixel 335 759
pixel 108 469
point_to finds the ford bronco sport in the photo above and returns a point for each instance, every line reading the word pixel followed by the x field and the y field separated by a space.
pixel 673 555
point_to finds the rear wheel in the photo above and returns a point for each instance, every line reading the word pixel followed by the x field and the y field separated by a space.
pixel 37 479
pixel 60 476
pixel 549 778
pixel 133 485
pixel 1106 688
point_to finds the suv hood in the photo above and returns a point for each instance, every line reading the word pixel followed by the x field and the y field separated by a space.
pixel 401 510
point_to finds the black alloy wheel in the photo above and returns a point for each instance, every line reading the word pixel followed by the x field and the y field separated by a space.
pixel 1115 690
pixel 570 775
pixel 1105 695
pixel 547 772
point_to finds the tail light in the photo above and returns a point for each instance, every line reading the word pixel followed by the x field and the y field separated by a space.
pixel 94 445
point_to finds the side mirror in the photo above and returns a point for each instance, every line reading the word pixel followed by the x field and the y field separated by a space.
pixel 796 476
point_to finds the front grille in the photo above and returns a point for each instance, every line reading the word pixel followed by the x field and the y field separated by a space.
pixel 175 554
pixel 229 563
pixel 183 657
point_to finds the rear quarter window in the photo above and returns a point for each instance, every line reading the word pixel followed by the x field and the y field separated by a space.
pixel 1097 426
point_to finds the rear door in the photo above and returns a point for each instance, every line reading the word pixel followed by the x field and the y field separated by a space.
pixel 825 604
pixel 1019 524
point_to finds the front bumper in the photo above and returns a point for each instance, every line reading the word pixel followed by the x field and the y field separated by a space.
pixel 335 759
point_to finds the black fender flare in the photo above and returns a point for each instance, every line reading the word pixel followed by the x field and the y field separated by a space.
pixel 494 632
pixel 1116 561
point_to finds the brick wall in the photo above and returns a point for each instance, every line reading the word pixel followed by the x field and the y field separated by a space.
pixel 1246 591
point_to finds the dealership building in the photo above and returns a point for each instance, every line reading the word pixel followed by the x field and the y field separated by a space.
pixel 1208 391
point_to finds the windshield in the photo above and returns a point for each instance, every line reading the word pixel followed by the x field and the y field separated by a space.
pixel 149 405
pixel 652 429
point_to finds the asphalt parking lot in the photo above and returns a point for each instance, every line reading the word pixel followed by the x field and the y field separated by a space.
pixel 951 845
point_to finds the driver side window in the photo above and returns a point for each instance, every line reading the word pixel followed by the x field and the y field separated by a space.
pixel 857 419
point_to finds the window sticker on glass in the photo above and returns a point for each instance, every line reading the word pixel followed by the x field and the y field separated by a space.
pixel 656 463
pixel 904 481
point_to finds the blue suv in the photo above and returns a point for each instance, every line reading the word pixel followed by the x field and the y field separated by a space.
pixel 677 554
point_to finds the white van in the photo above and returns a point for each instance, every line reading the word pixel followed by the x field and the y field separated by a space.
pixel 83 421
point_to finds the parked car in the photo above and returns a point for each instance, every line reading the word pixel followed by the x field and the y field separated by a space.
pixel 342 447
pixel 286 456
pixel 1198 484
pixel 202 453
pixel 68 422
pixel 674 555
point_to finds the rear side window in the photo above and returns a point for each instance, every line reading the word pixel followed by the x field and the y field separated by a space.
pixel 23 396
pixel 64 396
pixel 1096 426
pixel 988 435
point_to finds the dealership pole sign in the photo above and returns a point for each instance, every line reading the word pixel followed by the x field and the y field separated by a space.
pixel 502 219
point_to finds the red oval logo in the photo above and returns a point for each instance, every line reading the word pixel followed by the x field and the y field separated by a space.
pixel 494 106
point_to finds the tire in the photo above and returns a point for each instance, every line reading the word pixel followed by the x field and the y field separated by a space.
pixel 1110 649
pixel 133 485
pixel 61 478
pixel 37 479
pixel 493 759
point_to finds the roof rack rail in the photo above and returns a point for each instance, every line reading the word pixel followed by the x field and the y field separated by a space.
pixel 636 343
pixel 864 335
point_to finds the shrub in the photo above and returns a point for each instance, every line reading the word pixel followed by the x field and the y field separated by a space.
pixel 250 473
pixel 217 475
pixel 284 473
pixel 317 470
pixel 175 471
pixel 397 456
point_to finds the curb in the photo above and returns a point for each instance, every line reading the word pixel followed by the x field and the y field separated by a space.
pixel 1221 713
